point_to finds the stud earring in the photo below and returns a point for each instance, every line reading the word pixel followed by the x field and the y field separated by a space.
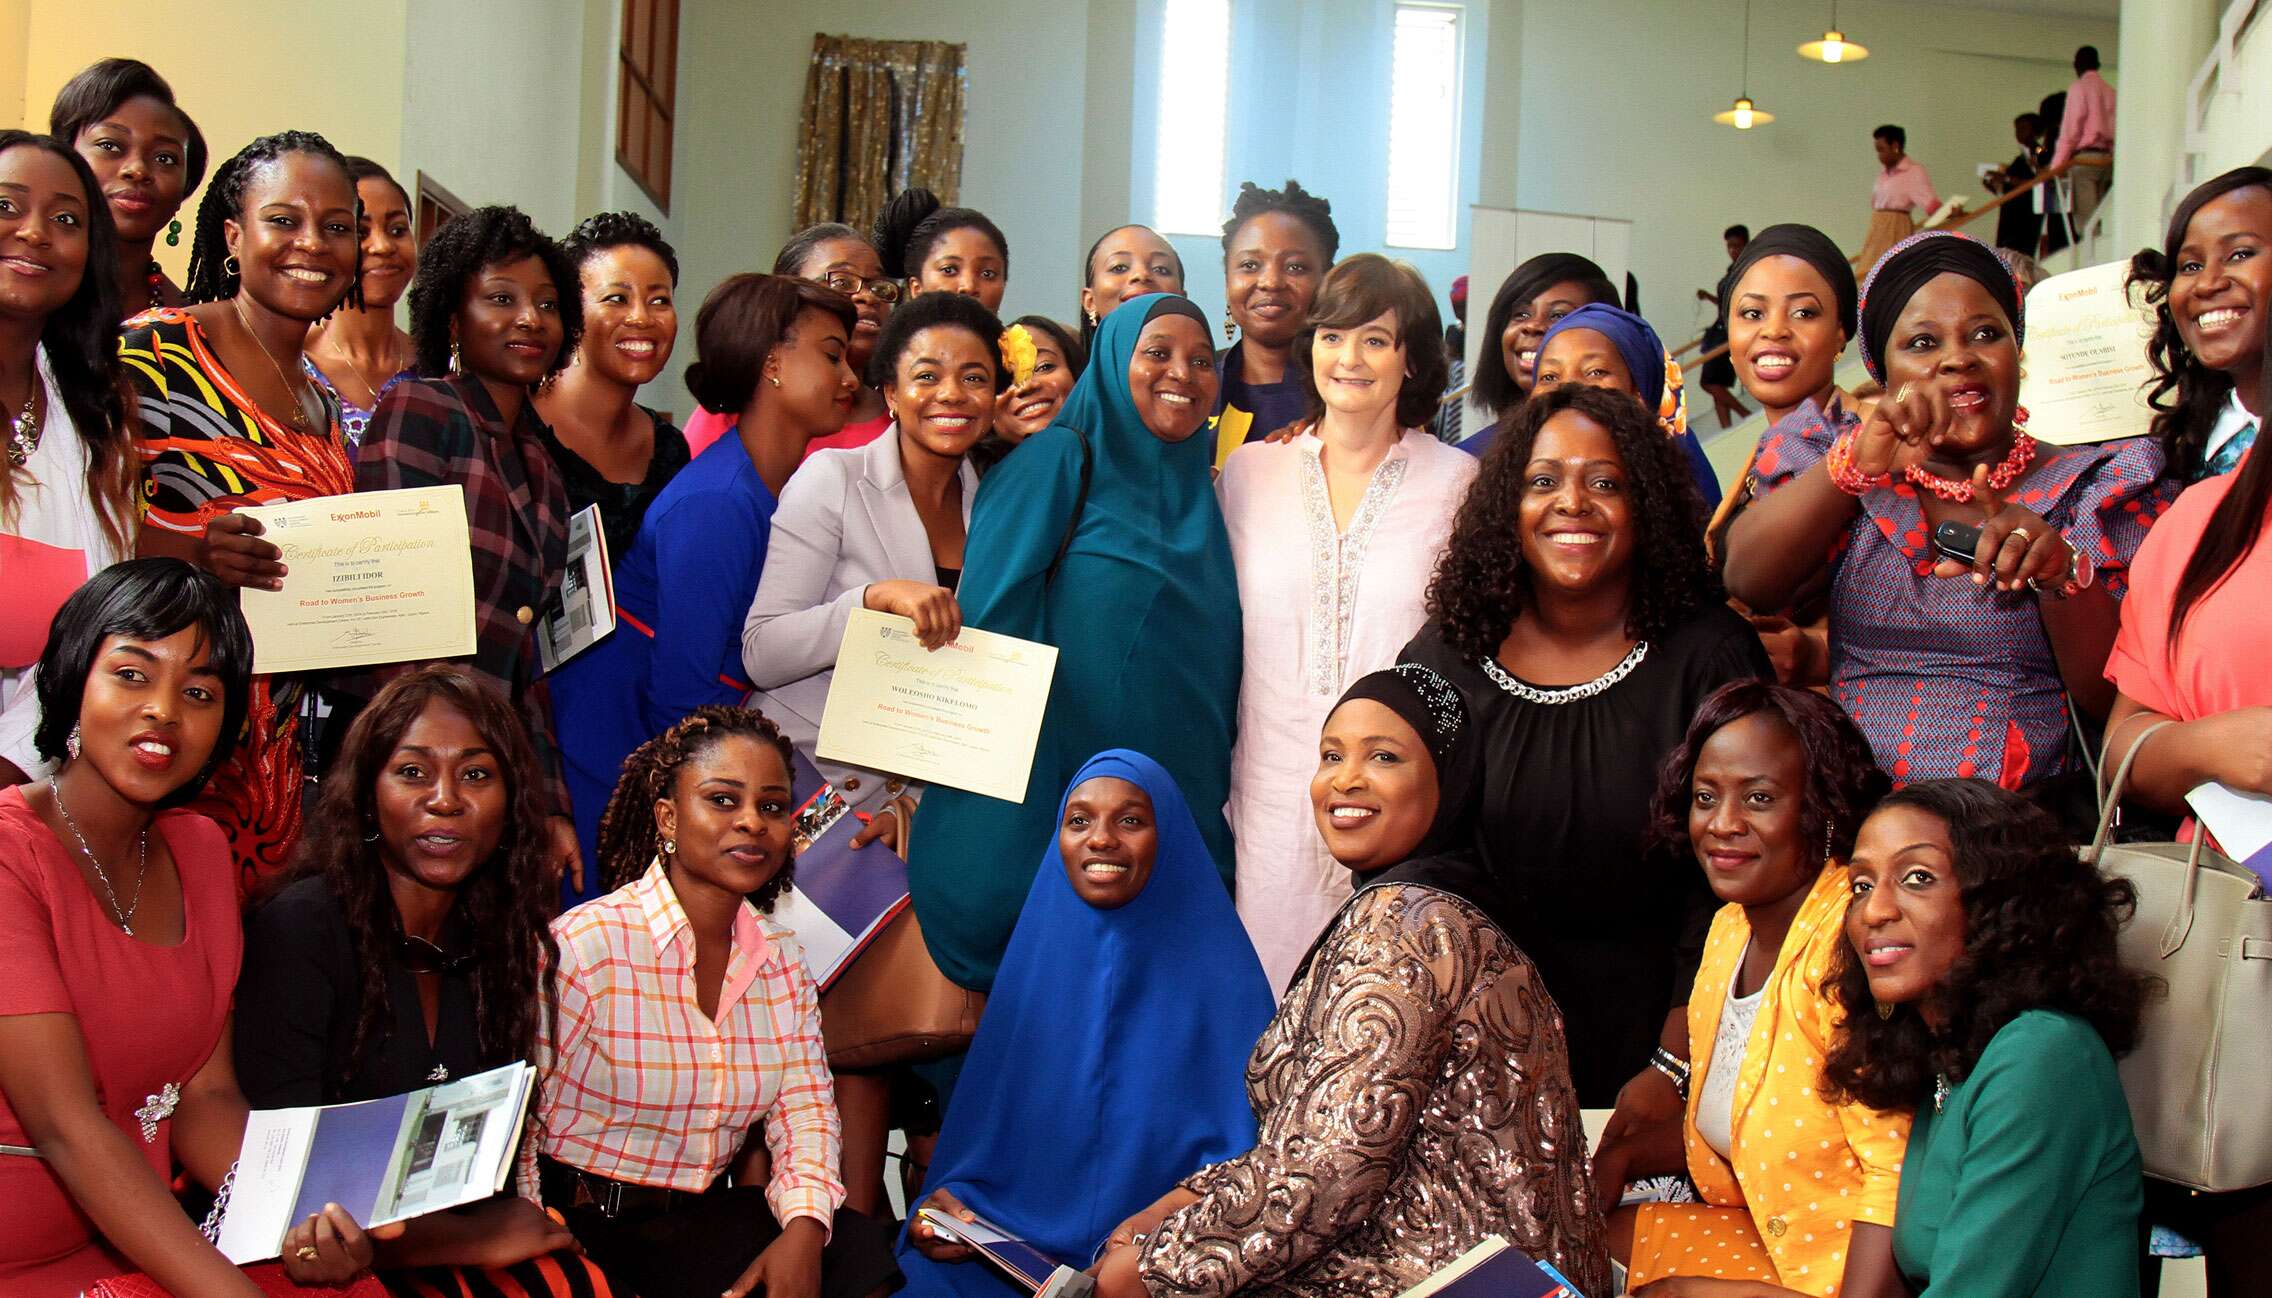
pixel 670 847
pixel 231 267
pixel 773 379
pixel 71 743
pixel 173 235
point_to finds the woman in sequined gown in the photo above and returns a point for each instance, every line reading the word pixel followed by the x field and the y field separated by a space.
pixel 1413 1095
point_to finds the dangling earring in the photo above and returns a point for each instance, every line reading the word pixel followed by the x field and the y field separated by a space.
pixel 1826 842
pixel 453 355
pixel 1229 329
pixel 231 267
pixel 173 235
pixel 373 836
pixel 1092 319
pixel 1885 1010
pixel 2019 417
pixel 71 743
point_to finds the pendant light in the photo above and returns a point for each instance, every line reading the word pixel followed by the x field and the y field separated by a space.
pixel 1745 114
pixel 1834 47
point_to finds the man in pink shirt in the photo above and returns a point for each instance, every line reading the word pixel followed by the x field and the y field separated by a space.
pixel 1900 196
pixel 2086 128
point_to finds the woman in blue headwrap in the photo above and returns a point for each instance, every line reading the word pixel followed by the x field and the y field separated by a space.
pixel 1101 537
pixel 1603 346
pixel 1096 1076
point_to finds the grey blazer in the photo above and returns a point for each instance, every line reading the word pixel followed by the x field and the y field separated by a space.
pixel 845 520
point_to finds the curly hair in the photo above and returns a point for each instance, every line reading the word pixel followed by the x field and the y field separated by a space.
pixel 2039 933
pixel 1843 781
pixel 507 900
pixel 81 338
pixel 210 279
pixel 98 90
pixel 604 230
pixel 466 245
pixel 1481 584
pixel 1366 287
pixel 2186 395
pixel 929 310
pixel 1495 388
pixel 1294 201
pixel 914 221
pixel 629 839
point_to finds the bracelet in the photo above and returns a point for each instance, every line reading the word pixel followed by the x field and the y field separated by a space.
pixel 1839 461
pixel 1673 1067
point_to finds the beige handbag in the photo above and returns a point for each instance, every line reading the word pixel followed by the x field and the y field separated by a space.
pixel 893 1006
pixel 2199 1087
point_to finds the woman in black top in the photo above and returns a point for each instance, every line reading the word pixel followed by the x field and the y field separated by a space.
pixel 613 452
pixel 407 946
pixel 1575 610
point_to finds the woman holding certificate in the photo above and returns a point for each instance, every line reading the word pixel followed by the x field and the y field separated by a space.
pixel 229 418
pixel 1101 536
pixel 119 949
pixel 495 310
pixel 1334 534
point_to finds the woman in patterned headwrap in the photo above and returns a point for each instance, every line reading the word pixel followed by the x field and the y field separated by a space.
pixel 1951 668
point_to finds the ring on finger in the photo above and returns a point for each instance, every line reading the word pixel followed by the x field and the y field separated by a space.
pixel 306 1253
pixel 2022 533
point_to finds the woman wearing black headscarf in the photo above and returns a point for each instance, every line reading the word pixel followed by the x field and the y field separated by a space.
pixel 1952 677
pixel 1415 1083
pixel 1791 311
pixel 1534 296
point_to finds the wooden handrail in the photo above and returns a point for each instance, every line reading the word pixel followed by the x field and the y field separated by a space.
pixel 1963 216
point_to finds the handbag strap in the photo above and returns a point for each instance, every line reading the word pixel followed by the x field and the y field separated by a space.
pixel 2110 798
pixel 2180 924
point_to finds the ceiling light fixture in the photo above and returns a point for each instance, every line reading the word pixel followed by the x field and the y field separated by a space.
pixel 1745 114
pixel 1834 47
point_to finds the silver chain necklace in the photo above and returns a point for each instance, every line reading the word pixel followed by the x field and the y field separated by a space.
pixel 1566 693
pixel 142 870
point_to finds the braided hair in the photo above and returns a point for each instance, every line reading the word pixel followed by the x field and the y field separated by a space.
pixel 210 277
pixel 1294 201
pixel 629 839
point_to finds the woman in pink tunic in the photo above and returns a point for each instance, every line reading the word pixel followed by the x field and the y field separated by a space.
pixel 1335 533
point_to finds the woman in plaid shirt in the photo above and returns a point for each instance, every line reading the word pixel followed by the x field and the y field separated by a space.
pixel 684 1018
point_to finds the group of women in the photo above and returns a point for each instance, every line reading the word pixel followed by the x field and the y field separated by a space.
pixel 1457 783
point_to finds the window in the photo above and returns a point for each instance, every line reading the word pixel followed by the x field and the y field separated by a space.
pixel 1423 127
pixel 1195 85
pixel 436 206
pixel 646 94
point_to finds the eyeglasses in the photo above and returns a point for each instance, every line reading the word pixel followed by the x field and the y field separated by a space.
pixel 419 956
pixel 847 283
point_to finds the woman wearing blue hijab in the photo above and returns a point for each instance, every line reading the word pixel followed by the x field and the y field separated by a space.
pixel 1097 1077
pixel 1625 353
pixel 1101 536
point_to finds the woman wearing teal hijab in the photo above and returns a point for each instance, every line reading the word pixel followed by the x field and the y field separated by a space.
pixel 1101 536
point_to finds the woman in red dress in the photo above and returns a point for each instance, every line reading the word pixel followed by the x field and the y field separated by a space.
pixel 119 948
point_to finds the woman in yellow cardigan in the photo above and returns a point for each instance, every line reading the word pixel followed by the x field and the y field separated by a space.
pixel 1798 1194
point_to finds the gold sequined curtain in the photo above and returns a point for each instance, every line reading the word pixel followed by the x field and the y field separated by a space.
pixel 880 117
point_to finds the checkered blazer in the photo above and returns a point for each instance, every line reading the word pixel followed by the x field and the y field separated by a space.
pixel 432 432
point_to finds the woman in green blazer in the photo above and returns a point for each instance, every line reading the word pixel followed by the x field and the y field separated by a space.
pixel 1983 993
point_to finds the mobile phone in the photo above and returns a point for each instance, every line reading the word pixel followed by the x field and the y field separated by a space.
pixel 1957 541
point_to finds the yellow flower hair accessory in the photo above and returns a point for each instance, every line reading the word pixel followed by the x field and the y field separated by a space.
pixel 1019 353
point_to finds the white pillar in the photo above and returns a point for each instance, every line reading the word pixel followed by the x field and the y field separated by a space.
pixel 2163 43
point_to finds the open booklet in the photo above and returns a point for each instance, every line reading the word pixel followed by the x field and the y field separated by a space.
pixel 382 1160
pixel 841 896
pixel 1024 1265
pixel 1495 1269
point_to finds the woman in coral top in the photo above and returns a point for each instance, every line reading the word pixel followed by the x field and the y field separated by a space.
pixel 1768 790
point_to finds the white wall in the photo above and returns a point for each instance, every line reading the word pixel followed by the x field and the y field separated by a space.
pixel 1622 127
pixel 492 104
